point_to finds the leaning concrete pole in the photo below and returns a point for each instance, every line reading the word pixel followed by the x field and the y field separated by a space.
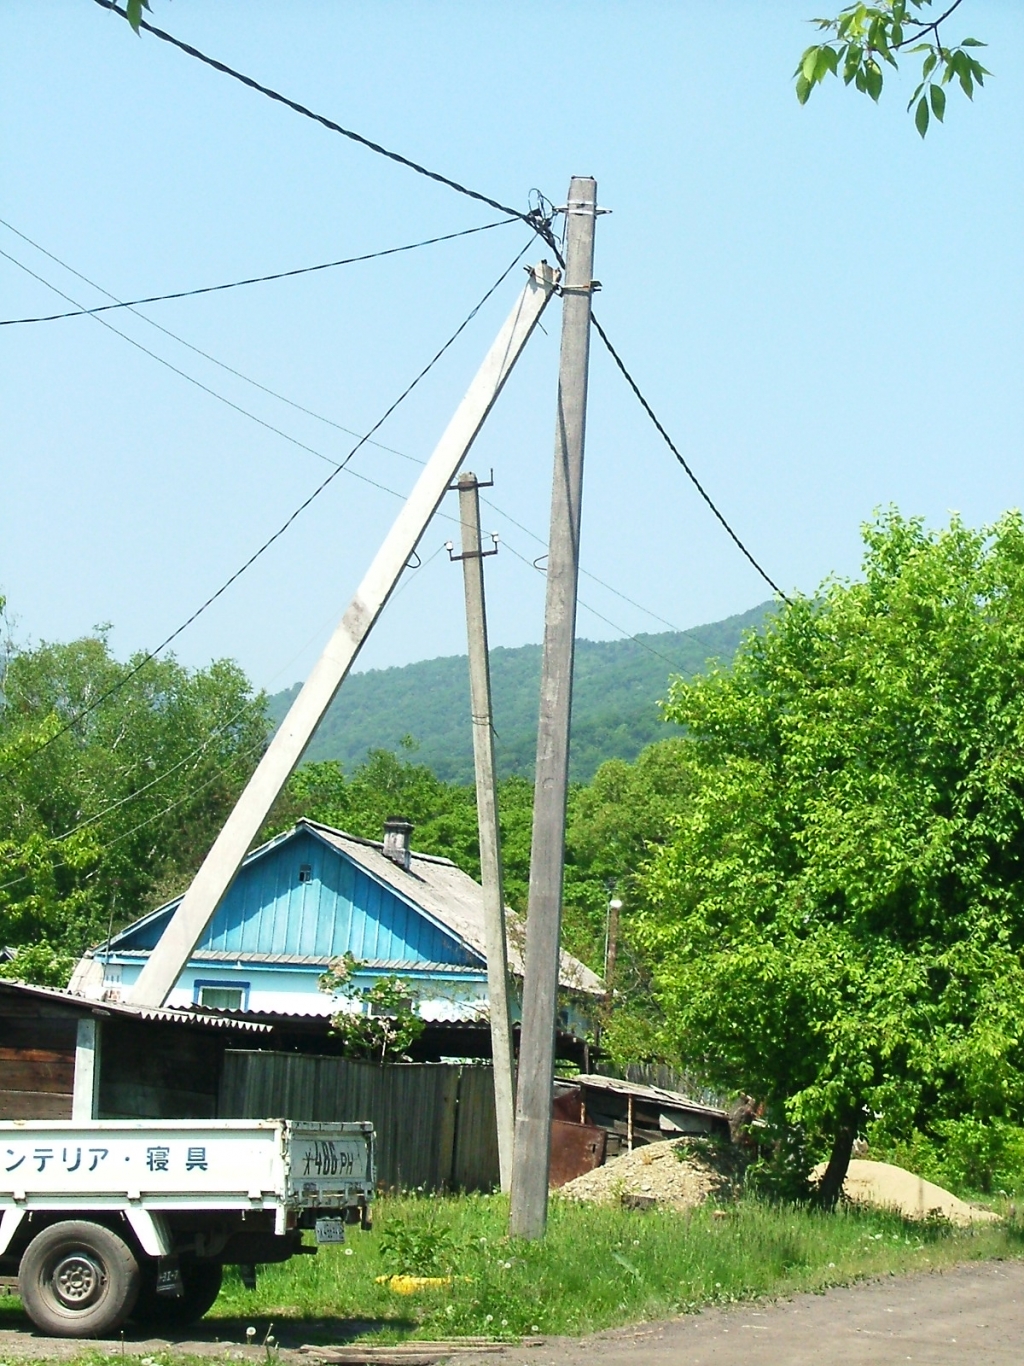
pixel 543 925
pixel 487 821
pixel 221 864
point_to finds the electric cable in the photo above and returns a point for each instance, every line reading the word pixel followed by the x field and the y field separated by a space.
pixel 282 398
pixel 169 365
pixel 311 413
pixel 109 692
pixel 253 280
pixel 155 816
pixel 607 621
pixel 678 455
pixel 533 218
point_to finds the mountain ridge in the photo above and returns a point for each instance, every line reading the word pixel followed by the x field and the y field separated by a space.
pixel 617 686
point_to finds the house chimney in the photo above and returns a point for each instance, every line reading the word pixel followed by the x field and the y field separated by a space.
pixel 396 840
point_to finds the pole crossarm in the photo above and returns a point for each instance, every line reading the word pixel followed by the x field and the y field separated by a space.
pixel 210 885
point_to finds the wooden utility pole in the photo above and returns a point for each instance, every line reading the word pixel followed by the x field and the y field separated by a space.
pixel 531 1155
pixel 611 947
pixel 472 558
pixel 210 884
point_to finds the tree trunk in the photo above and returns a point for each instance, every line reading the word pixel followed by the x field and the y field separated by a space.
pixel 831 1185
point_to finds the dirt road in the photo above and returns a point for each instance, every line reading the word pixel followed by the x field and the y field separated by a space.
pixel 973 1314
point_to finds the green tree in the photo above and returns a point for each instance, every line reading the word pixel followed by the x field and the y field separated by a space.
pixel 379 1022
pixel 865 38
pixel 114 780
pixel 837 921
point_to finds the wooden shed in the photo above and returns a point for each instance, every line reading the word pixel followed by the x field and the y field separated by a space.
pixel 63 1057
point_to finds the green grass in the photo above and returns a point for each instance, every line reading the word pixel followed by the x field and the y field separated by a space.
pixel 596 1268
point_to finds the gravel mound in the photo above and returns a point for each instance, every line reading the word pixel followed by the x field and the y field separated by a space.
pixel 654 1173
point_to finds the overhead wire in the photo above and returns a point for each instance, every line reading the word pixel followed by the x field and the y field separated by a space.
pixel 681 458
pixel 533 218
pixel 169 365
pixel 638 640
pixel 282 398
pixel 151 655
pixel 155 816
pixel 320 417
pixel 252 280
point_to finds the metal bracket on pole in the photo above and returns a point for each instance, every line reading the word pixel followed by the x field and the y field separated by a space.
pixel 211 883
pixel 472 554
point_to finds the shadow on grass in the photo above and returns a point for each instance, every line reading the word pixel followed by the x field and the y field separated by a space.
pixel 289 1330
pixel 294 1331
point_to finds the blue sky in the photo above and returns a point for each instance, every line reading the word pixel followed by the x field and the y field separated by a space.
pixel 825 311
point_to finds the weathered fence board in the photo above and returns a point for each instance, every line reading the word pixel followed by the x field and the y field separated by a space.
pixel 434 1122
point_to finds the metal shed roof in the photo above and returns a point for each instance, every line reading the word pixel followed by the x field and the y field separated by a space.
pixel 196 1018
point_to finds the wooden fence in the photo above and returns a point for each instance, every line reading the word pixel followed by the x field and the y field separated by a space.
pixel 434 1122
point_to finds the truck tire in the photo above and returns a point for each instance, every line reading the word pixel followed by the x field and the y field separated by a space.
pixel 78 1279
pixel 200 1284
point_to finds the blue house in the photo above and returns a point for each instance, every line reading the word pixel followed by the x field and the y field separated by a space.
pixel 313 894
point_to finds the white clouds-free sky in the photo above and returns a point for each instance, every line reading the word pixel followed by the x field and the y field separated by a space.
pixel 825 311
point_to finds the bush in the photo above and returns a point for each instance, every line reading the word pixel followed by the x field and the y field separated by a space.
pixel 968 1156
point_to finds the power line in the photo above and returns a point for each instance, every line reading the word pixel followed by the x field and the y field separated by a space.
pixel 534 217
pixel 252 280
pixel 678 455
pixel 169 365
pixel 155 816
pixel 282 398
pixel 329 421
pixel 607 621
pixel 309 412
pixel 109 692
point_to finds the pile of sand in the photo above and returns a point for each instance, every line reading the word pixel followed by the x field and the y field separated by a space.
pixel 653 1173
pixel 887 1187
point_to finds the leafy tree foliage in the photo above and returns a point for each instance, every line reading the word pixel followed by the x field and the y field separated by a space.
pixel 836 923
pixel 101 817
pixel 378 1022
pixel 865 38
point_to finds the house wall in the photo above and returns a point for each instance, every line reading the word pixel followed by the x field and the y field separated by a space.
pixel 307 899
pixel 441 993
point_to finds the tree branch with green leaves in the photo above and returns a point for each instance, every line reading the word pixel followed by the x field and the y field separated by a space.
pixel 863 39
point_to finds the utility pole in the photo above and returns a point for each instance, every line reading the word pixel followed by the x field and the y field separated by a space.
pixel 210 884
pixel 531 1156
pixel 611 947
pixel 472 558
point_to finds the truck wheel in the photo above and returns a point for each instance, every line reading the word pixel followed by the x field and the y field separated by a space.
pixel 78 1279
pixel 200 1284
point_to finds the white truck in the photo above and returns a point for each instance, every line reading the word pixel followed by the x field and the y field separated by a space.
pixel 106 1220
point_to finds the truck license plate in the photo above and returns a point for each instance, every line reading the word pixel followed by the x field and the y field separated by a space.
pixel 330 1230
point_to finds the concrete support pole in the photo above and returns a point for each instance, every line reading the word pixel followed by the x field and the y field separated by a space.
pixel 531 1155
pixel 487 821
pixel 221 864
pixel 86 1086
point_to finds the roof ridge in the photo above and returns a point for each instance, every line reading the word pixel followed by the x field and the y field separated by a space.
pixel 373 844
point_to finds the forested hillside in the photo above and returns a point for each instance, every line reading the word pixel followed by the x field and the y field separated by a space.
pixel 615 705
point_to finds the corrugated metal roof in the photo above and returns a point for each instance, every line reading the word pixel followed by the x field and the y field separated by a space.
pixel 673 1100
pixel 300 960
pixel 453 898
pixel 201 1018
